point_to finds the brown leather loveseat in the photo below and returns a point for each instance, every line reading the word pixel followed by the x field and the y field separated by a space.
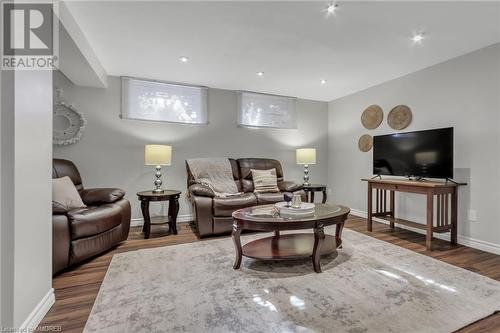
pixel 212 215
pixel 84 232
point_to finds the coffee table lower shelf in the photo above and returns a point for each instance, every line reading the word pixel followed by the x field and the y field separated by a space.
pixel 287 247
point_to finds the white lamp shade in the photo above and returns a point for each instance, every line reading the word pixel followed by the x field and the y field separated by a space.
pixel 306 156
pixel 157 154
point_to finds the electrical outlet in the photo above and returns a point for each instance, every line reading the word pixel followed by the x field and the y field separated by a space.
pixel 329 191
pixel 472 215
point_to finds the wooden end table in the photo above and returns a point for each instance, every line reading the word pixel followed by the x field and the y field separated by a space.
pixel 289 246
pixel 171 196
pixel 311 188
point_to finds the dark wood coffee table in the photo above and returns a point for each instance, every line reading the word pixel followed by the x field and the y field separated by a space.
pixel 289 246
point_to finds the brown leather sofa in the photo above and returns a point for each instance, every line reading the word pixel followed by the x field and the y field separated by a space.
pixel 212 215
pixel 84 232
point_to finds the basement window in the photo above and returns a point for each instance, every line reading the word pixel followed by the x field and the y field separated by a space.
pixel 263 110
pixel 165 102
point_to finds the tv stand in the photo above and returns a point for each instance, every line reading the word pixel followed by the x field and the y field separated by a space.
pixel 446 194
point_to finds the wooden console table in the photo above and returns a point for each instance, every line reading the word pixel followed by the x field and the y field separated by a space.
pixel 446 204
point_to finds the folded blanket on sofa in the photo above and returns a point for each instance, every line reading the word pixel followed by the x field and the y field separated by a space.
pixel 215 173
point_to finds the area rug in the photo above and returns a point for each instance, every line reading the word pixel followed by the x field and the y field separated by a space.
pixel 368 286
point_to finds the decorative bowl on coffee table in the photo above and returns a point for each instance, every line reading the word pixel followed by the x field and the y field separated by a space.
pixel 305 209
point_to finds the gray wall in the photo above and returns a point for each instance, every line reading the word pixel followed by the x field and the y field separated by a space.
pixel 463 93
pixel 111 152
pixel 26 226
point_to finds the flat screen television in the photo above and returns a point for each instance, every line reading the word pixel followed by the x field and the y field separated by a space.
pixel 421 154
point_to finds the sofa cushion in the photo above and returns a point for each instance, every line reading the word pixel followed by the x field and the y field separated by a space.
pixel 65 194
pixel 247 164
pixel 269 198
pixel 265 181
pixel 226 206
pixel 91 221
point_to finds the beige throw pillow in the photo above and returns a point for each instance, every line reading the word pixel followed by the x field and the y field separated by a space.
pixel 265 181
pixel 65 194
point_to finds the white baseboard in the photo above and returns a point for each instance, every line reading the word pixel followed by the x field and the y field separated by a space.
pixel 138 222
pixel 40 310
pixel 463 240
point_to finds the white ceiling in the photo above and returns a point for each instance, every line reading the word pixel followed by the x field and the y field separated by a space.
pixel 294 43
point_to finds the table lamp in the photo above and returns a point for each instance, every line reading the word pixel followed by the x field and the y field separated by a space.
pixel 306 156
pixel 157 155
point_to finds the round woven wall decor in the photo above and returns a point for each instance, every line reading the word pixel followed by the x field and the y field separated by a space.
pixel 400 117
pixel 372 117
pixel 365 143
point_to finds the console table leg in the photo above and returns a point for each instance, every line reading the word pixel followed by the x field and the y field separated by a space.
pixel 369 208
pixel 276 233
pixel 391 207
pixel 454 205
pixel 324 196
pixel 237 244
pixel 430 222
pixel 319 238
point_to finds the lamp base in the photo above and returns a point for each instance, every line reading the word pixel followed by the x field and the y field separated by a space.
pixel 306 175
pixel 158 181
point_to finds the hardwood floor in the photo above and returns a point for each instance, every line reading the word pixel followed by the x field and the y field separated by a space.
pixel 77 288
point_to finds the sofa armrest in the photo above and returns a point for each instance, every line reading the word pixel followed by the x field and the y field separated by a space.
pixel 98 196
pixel 289 186
pixel 58 209
pixel 203 215
pixel 201 190
pixel 61 241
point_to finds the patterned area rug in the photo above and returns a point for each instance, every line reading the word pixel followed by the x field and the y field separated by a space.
pixel 368 286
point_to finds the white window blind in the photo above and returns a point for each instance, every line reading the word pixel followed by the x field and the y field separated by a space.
pixel 262 110
pixel 158 101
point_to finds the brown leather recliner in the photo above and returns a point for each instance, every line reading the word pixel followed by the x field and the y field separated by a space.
pixel 212 215
pixel 85 232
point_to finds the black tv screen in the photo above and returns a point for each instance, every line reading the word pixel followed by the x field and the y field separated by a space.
pixel 426 153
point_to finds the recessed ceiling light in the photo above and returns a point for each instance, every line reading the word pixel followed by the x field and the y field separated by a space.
pixel 260 73
pixel 417 38
pixel 331 8
pixel 183 59
pixel 323 81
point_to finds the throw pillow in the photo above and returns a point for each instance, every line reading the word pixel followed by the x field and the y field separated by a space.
pixel 265 181
pixel 65 194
